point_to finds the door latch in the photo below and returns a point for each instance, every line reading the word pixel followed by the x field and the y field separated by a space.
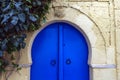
pixel 68 61
pixel 53 62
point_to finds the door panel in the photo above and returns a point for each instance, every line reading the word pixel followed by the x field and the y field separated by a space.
pixel 45 54
pixel 59 52
pixel 75 55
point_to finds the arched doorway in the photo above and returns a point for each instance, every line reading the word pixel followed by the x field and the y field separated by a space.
pixel 60 52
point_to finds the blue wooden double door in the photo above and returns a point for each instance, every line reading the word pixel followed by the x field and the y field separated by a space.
pixel 59 52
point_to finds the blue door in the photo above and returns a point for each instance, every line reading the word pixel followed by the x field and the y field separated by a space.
pixel 59 52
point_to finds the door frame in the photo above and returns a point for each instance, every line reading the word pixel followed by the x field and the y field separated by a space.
pixel 75 26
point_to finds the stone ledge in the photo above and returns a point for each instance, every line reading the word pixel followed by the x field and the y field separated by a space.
pixel 91 65
pixel 101 66
pixel 25 65
pixel 103 0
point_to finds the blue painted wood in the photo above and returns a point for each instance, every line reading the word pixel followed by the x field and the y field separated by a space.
pixel 60 52
pixel 76 50
pixel 44 53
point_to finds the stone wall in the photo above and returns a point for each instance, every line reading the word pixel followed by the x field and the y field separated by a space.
pixel 99 20
pixel 117 28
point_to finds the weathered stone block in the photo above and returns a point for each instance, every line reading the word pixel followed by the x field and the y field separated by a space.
pixel 103 0
pixel 100 4
pixel 117 4
pixel 99 12
pixel 23 74
pixel 117 18
pixel 99 55
pixel 111 55
pixel 104 74
pixel 118 40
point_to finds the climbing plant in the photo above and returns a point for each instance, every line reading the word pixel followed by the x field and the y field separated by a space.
pixel 16 18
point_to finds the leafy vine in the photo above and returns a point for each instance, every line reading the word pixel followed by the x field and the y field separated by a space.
pixel 16 18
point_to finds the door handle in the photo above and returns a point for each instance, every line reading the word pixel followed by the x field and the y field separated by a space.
pixel 53 62
pixel 68 61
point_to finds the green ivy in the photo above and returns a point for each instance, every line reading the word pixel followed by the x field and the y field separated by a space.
pixel 16 18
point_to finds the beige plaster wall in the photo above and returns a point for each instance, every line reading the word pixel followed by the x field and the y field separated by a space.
pixel 99 20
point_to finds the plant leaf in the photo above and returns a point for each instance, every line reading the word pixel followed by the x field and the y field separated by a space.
pixel 32 18
pixel 5 41
pixel 38 2
pixel 22 45
pixel 4 46
pixel 25 27
pixel 26 9
pixel 34 4
pixel 21 17
pixel 20 40
pixel 1 30
pixel 12 12
pixel 16 43
pixel 21 27
pixel 6 28
pixel 6 8
pixel 17 28
pixel 17 5
pixel 1 53
pixel 5 19
pixel 44 20
pixel 10 25
pixel 23 35
pixel 29 1
pixel 14 20
pixel 2 35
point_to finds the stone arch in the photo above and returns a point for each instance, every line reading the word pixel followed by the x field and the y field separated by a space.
pixel 86 26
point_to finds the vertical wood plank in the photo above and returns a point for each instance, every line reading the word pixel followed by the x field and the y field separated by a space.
pixel 60 52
